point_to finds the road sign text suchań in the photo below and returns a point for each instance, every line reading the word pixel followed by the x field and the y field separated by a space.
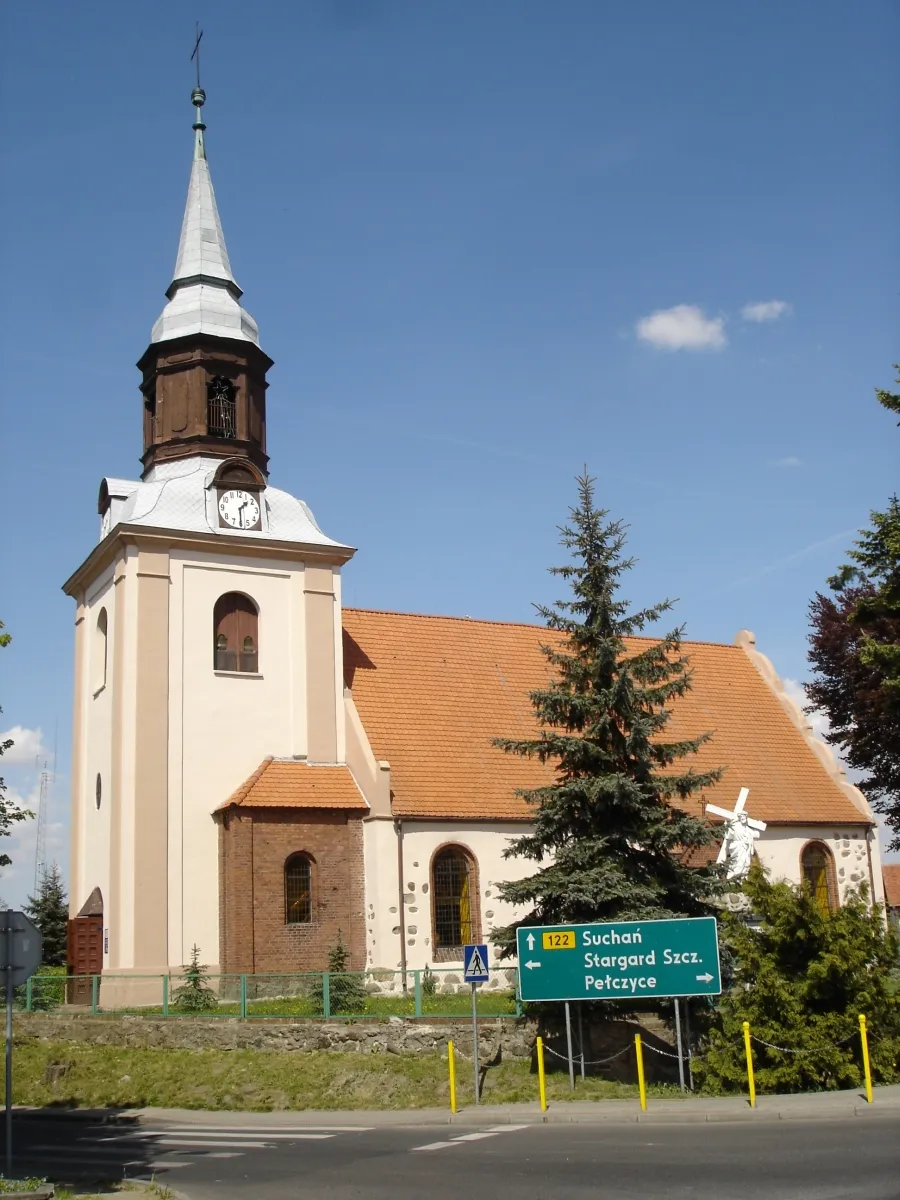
pixel 621 960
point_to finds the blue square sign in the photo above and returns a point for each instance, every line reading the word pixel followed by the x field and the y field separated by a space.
pixel 475 964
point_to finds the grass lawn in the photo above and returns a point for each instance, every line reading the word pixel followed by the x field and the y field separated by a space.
pixel 263 1080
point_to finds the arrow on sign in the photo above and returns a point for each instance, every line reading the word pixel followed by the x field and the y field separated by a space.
pixel 531 965
pixel 707 978
pixel 530 941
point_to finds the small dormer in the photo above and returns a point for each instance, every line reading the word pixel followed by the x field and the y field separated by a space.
pixel 114 494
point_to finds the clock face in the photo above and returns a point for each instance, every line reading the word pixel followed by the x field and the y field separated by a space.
pixel 239 509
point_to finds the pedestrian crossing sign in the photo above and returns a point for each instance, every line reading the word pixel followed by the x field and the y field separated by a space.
pixel 475 964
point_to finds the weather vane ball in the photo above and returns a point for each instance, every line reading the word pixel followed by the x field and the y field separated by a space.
pixel 198 97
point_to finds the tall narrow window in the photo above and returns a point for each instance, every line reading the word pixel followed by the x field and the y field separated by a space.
pixel 817 873
pixel 220 408
pixel 150 415
pixel 100 651
pixel 452 888
pixel 297 890
pixel 236 634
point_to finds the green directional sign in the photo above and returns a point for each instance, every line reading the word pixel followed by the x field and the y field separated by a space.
pixel 622 960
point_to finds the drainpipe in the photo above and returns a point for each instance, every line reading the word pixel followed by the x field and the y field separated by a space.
pixel 398 829
pixel 872 901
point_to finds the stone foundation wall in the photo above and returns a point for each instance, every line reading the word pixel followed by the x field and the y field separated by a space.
pixel 497 1038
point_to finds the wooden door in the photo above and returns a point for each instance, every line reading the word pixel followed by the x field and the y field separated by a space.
pixel 84 957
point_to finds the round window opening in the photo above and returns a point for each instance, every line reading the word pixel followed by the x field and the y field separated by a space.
pixel 98 791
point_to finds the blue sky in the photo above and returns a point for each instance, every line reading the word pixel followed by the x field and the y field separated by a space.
pixel 485 244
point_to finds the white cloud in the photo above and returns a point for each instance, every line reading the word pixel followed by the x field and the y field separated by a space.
pixel 684 327
pixel 818 719
pixel 790 460
pixel 27 745
pixel 761 311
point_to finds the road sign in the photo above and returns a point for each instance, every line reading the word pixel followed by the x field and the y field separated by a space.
pixel 23 953
pixel 624 960
pixel 475 964
pixel 21 947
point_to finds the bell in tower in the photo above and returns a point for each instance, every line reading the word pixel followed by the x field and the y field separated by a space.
pixel 204 374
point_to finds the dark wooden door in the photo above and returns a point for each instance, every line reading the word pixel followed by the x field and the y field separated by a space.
pixel 84 957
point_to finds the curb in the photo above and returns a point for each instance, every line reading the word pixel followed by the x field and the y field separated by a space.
pixel 770 1109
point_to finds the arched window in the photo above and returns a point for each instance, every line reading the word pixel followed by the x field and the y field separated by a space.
pixel 100 650
pixel 298 890
pixel 236 634
pixel 817 873
pixel 453 896
pixel 220 408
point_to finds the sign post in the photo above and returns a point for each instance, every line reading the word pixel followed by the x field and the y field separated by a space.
pixel 475 971
pixel 620 960
pixel 20 950
pixel 569 1048
pixel 678 1044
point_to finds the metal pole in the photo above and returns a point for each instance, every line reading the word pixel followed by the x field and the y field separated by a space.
pixel 678 1044
pixel 475 1039
pixel 580 1041
pixel 8 966
pixel 687 1041
pixel 569 1048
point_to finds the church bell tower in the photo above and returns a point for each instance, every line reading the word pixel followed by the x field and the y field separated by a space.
pixel 207 633
pixel 204 374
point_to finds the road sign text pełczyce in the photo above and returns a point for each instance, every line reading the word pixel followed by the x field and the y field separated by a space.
pixel 622 960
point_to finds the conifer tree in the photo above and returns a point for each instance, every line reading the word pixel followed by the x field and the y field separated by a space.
pixel 802 977
pixel 195 994
pixel 49 910
pixel 609 834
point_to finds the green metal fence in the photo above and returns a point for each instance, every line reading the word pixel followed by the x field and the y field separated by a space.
pixel 364 995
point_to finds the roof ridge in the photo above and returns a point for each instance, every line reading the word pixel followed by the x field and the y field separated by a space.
pixel 392 612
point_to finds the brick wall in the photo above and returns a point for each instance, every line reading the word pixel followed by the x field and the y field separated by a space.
pixel 253 847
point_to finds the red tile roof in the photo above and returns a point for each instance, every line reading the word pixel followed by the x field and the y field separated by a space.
pixel 891 874
pixel 433 691
pixel 277 783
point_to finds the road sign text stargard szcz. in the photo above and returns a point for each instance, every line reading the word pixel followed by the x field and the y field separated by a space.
pixel 475 964
pixel 619 961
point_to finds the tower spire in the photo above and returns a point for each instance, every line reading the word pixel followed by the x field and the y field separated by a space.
pixel 203 295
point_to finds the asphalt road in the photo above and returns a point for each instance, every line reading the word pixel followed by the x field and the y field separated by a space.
pixel 835 1159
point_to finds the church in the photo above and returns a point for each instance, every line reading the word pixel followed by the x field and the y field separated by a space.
pixel 258 770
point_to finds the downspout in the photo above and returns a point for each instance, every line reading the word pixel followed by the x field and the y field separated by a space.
pixel 872 900
pixel 398 829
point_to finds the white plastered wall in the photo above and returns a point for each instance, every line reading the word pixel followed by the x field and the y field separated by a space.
pixel 485 841
pixel 96 746
pixel 223 726
pixel 779 849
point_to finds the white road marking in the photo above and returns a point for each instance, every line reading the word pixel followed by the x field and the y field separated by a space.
pixel 222 1143
pixel 257 1129
pixel 470 1137
pixel 146 1134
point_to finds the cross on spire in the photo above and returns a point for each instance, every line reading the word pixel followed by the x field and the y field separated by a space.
pixel 198 34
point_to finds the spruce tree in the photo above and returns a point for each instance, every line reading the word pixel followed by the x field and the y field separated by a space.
pixel 49 910
pixel 609 832
pixel 195 994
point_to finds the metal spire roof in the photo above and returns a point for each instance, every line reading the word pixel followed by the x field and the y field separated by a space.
pixel 203 295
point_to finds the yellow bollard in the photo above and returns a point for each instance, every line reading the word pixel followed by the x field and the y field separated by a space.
pixel 642 1085
pixel 749 1053
pixel 542 1079
pixel 452 1063
pixel 864 1038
